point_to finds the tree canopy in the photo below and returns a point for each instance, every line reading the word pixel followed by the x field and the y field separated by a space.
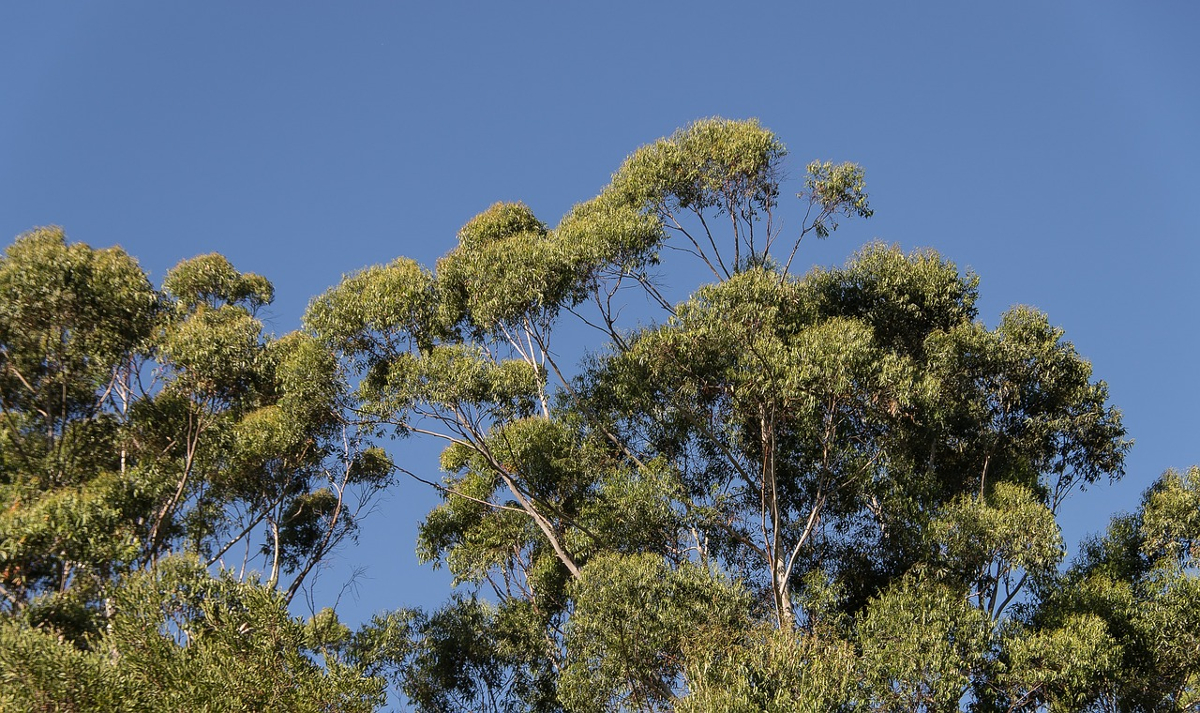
pixel 828 491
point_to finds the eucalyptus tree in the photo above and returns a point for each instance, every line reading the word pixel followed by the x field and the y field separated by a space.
pixel 1120 629
pixel 853 431
pixel 261 444
pixel 138 425
pixel 835 491
pixel 75 325
pixel 465 353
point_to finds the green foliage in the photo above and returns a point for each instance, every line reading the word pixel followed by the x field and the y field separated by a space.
pixel 39 673
pixel 467 656
pixel 135 424
pixel 611 232
pixel 212 281
pixel 452 376
pixel 239 646
pixel 70 317
pixel 73 322
pixel 307 380
pixel 379 311
pixel 1036 410
pixel 714 163
pixel 84 308
pixel 921 642
pixel 835 492
pixel 92 527
pixel 507 268
pixel 983 541
pixel 1058 668
pixel 856 425
pixel 1171 520
pixel 632 510
pixel 474 537
pixel 633 617
pixel 1139 582
pixel 179 639
pixel 836 189
pixel 866 399
pixel 905 298
pixel 215 352
pixel 763 669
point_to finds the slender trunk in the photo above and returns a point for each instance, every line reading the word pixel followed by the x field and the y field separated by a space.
pixel 783 596
pixel 275 563
pixel 785 616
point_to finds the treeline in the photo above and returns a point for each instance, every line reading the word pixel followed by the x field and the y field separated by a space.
pixel 829 492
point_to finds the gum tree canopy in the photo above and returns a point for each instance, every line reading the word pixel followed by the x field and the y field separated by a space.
pixel 819 492
pixel 677 474
pixel 141 426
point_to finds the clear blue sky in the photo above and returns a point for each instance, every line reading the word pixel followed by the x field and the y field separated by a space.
pixel 1051 147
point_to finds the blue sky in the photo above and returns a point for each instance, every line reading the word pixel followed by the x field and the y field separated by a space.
pixel 1051 147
